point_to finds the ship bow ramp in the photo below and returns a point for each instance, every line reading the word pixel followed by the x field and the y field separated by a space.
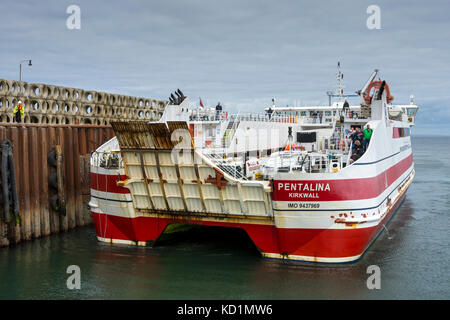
pixel 170 181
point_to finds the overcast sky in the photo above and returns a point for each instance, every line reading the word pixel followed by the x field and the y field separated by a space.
pixel 242 53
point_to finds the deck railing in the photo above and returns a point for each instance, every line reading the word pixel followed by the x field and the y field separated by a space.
pixel 209 116
pixel 232 168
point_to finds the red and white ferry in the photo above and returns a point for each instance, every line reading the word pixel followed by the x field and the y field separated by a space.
pixel 286 177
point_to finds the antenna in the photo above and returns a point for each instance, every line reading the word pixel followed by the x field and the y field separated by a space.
pixel 340 83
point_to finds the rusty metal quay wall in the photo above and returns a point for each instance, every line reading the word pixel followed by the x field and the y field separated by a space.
pixel 34 147
pixel 44 103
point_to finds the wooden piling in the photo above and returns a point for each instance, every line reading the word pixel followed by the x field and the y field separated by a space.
pixel 83 173
pixel 79 214
pixel 43 182
pixel 14 138
pixel 63 220
pixel 53 215
pixel 68 174
pixel 33 162
pixel 24 184
pixel 4 241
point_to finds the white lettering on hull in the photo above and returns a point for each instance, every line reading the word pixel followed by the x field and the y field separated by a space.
pixel 295 186
pixel 304 195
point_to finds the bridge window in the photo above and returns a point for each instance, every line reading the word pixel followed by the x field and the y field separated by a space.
pixel 401 132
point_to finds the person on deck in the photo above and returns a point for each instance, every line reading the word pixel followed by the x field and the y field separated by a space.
pixel 218 110
pixel 351 134
pixel 356 135
pixel 358 151
pixel 359 134
pixel 269 112
pixel 367 135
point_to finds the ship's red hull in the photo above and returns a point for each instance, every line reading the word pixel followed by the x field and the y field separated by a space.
pixel 320 245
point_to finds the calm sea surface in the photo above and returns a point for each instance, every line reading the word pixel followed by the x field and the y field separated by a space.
pixel 205 263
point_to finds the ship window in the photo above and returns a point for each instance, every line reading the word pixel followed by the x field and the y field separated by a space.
pixel 303 113
pixel 328 113
pixel 306 137
pixel 109 160
pixel 401 132
pixel 411 111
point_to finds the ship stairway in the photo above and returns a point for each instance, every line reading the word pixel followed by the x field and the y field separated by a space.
pixel 229 132
pixel 338 125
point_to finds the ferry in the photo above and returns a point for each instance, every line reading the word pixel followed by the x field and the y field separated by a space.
pixel 294 178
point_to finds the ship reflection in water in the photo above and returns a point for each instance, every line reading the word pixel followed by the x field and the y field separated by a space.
pixel 222 263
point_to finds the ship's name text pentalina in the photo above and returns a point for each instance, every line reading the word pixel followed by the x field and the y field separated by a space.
pixel 302 187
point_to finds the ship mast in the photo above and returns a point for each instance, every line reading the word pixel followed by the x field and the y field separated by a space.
pixel 340 94
pixel 340 84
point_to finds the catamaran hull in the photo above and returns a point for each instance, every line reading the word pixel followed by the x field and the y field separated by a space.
pixel 328 236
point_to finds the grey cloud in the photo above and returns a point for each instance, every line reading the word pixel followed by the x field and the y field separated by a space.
pixel 242 53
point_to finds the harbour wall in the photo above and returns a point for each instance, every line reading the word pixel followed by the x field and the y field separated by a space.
pixel 50 150
pixel 35 151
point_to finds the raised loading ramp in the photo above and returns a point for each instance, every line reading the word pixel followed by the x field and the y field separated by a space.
pixel 167 175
